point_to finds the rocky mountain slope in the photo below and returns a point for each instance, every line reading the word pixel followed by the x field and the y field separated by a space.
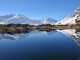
pixel 70 19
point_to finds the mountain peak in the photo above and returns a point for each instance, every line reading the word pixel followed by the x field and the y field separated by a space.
pixel 16 16
pixel 72 18
pixel 48 20
pixel 78 8
pixel 76 12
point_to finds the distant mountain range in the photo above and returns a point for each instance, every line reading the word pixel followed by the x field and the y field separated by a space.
pixel 16 18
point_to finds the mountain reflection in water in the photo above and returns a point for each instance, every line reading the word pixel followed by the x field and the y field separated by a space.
pixel 74 34
pixel 22 35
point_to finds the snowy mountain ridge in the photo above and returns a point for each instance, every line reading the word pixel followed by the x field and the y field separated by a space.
pixel 70 19
pixel 16 18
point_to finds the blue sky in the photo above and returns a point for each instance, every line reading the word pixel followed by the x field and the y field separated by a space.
pixel 39 9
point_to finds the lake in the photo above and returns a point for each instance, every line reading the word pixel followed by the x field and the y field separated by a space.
pixel 41 45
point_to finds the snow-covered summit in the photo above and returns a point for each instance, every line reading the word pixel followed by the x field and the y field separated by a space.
pixel 48 20
pixel 70 19
pixel 76 12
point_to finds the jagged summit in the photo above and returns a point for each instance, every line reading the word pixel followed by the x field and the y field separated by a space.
pixel 76 12
pixel 78 8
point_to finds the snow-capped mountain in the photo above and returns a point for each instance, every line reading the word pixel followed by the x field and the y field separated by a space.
pixel 72 33
pixel 48 21
pixel 16 18
pixel 71 19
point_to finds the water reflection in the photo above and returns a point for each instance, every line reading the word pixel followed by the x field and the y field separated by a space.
pixel 17 36
pixel 22 35
pixel 72 33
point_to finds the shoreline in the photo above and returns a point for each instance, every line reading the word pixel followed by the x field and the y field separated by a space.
pixel 25 28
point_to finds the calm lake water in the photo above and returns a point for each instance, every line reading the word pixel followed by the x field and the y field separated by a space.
pixel 41 45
